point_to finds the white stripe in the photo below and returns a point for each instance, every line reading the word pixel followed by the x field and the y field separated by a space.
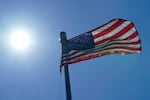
pixel 104 27
pixel 128 41
pixel 113 32
pixel 110 50
pixel 115 45
pixel 130 32
pixel 71 52
pixel 119 40
pixel 66 62
pixel 71 56
pixel 102 49
pixel 115 41
pixel 113 50
pixel 122 45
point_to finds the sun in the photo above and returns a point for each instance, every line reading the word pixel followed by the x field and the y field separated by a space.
pixel 20 39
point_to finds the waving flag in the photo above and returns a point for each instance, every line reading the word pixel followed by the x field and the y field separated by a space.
pixel 118 36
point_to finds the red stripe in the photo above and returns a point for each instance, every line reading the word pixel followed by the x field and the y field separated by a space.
pixel 85 58
pixel 133 43
pixel 70 54
pixel 98 55
pixel 124 47
pixel 135 34
pixel 84 53
pixel 106 31
pixel 103 25
pixel 116 47
pixel 67 59
pixel 120 33
pixel 94 56
pixel 123 31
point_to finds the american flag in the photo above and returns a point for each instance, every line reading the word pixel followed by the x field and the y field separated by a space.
pixel 118 36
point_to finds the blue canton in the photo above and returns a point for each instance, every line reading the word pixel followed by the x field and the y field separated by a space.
pixel 82 42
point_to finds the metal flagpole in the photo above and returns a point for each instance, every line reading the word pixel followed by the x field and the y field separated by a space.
pixel 66 70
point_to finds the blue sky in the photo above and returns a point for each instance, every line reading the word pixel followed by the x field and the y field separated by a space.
pixel 33 74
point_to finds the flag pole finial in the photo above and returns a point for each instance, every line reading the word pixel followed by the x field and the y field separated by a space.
pixel 63 37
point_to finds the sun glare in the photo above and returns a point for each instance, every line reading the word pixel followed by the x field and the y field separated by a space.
pixel 20 39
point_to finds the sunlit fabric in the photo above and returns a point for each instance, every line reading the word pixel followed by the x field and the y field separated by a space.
pixel 118 36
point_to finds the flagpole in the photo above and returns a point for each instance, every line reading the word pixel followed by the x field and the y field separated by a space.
pixel 66 70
